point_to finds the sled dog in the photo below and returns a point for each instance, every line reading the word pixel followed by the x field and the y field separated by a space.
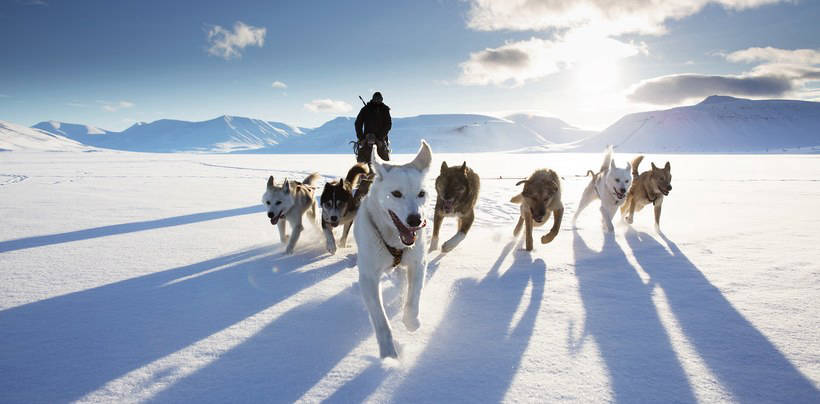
pixel 388 233
pixel 288 203
pixel 649 187
pixel 340 201
pixel 457 189
pixel 609 185
pixel 540 197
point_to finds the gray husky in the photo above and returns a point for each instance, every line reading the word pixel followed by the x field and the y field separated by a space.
pixel 289 202
pixel 341 200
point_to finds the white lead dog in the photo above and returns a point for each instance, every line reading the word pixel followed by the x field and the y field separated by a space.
pixel 388 234
pixel 609 185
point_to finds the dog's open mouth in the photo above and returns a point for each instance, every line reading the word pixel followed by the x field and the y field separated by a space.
pixel 276 218
pixel 332 224
pixel 447 206
pixel 407 234
pixel 618 194
pixel 665 192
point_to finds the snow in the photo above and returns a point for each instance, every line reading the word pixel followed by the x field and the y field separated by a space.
pixel 219 135
pixel 718 124
pixel 131 277
pixel 16 137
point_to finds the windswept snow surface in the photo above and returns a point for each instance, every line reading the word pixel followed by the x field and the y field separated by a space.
pixel 131 277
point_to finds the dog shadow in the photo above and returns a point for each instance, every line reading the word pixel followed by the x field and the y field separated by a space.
pixel 745 362
pixel 61 348
pixel 476 337
pixel 290 355
pixel 103 231
pixel 622 320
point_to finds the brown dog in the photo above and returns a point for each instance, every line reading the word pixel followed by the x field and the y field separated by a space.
pixel 648 187
pixel 457 189
pixel 541 195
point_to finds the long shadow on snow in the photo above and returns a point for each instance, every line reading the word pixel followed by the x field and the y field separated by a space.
pixel 59 349
pixel 289 356
pixel 623 320
pixel 750 367
pixel 39 241
pixel 476 350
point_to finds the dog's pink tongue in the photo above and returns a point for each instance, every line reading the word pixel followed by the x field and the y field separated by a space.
pixel 408 237
pixel 274 220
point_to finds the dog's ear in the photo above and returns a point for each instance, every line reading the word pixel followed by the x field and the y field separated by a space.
pixel 521 182
pixel 286 186
pixel 612 165
pixel 653 166
pixel 464 167
pixel 343 183
pixel 443 166
pixel 628 166
pixel 270 182
pixel 379 169
pixel 517 199
pixel 423 158
pixel 667 167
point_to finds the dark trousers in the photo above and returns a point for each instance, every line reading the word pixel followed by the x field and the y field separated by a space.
pixel 366 150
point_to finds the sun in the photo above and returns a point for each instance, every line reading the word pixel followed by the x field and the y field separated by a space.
pixel 596 76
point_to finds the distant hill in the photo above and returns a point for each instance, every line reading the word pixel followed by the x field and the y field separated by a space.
pixel 553 130
pixel 718 124
pixel 446 133
pixel 15 137
pixel 222 134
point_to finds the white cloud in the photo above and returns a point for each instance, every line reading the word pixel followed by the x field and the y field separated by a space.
pixel 228 44
pixel 776 55
pixel 582 29
pixel 329 106
pixel 115 106
pixel 783 72
pixel 607 16
pixel 515 63
pixel 279 84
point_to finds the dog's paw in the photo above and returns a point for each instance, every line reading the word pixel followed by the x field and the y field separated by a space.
pixel 331 250
pixel 289 250
pixel 548 237
pixel 411 323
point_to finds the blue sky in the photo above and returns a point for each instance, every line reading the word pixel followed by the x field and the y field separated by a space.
pixel 111 63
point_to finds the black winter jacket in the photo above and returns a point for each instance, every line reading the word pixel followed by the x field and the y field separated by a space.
pixel 373 118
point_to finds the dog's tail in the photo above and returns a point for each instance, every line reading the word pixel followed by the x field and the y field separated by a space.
pixel 590 172
pixel 635 164
pixel 312 180
pixel 355 174
pixel 607 159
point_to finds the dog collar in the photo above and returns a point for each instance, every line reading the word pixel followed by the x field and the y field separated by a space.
pixel 397 253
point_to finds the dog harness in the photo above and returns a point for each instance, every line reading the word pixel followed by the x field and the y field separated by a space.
pixel 397 253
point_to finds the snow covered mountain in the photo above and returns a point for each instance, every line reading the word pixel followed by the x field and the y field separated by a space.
pixel 446 133
pixel 552 129
pixel 718 124
pixel 222 134
pixel 18 137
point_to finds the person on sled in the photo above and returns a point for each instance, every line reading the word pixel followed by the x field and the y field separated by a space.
pixel 372 125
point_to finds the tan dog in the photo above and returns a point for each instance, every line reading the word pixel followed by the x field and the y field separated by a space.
pixel 541 195
pixel 648 187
